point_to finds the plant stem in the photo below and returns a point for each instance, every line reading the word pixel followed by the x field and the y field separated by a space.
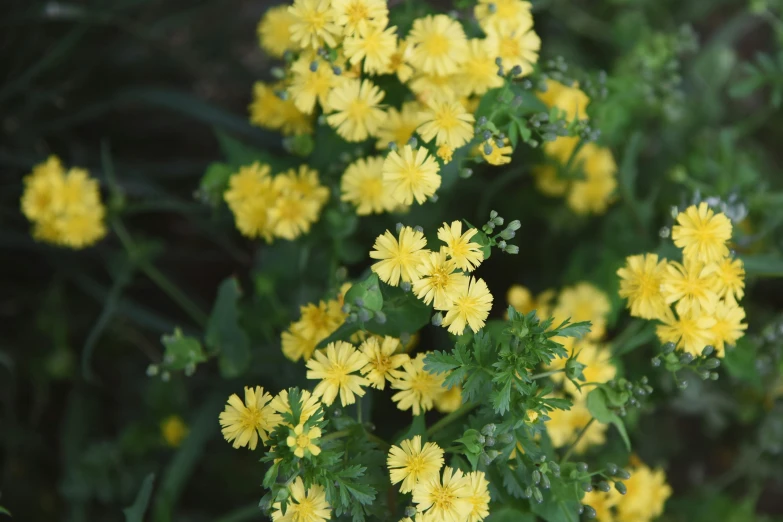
pixel 174 293
pixel 336 435
pixel 545 374
pixel 359 410
pixel 451 417
pixel 573 444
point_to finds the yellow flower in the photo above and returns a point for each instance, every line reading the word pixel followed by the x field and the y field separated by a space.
pixel 471 308
pixel 597 361
pixel 564 425
pixel 303 505
pixel 357 114
pixel 640 283
pixel 319 321
pixel 702 234
pixel 498 155
pixel 309 86
pixel 646 495
pixel 602 503
pixel 335 366
pixel 689 286
pixel 274 31
pixel 412 463
pixel 523 301
pixel 584 302
pixel 438 45
pixel 570 100
pixel 308 405
pixel 548 181
pixel 305 182
pixel 515 46
pixel 313 24
pixel 410 175
pixel 450 400
pixel 439 281
pixel 398 126
pixel 304 442
pixel 246 423
pixel 353 15
pixel 398 64
pixel 444 500
pixel 593 193
pixel 478 496
pixel 382 360
pixel 65 208
pixel 296 346
pixel 362 186
pixel 466 254
pixel 690 332
pixel 729 277
pixel 270 111
pixel 247 184
pixel 292 215
pixel 511 14
pixel 728 327
pixel 418 388
pixel 448 123
pixel 373 44
pixel 445 153
pixel 479 72
pixel 399 259
pixel 174 430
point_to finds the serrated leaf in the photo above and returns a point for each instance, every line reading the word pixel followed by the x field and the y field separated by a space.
pixel 576 330
pixel 440 362
pixel 224 334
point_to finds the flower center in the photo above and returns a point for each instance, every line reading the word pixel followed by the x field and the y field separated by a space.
pixel 436 45
pixel 251 418
pixel 446 119
pixel 443 497
pixel 509 47
pixel 356 12
pixel 358 109
pixel 303 441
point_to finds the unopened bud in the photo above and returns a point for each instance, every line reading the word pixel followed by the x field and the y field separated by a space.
pixel 686 358
pixel 512 249
pixel 437 319
pixel 620 487
pixel 711 364
pixel 707 351
pixel 514 225
pixel 489 430
pixel 380 317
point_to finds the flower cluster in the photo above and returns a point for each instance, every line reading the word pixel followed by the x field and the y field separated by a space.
pixel 582 172
pixel 450 496
pixel 581 302
pixel 705 288
pixel 282 206
pixel 64 207
pixel 316 323
pixel 439 278
pixel 646 494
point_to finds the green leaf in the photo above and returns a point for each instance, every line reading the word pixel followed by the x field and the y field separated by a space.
pixel 507 514
pixel 404 313
pixel 181 352
pixel 577 330
pixel 470 439
pixel 368 292
pixel 767 265
pixel 418 427
pixel 224 335
pixel 740 363
pixel 598 407
pixel 561 503
pixel 214 183
pixel 4 511
pixel 486 245
pixel 135 512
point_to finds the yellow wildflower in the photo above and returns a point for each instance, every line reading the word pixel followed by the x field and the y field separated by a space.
pixel 593 193
pixel 498 155
pixel 689 286
pixel 728 327
pixel 270 111
pixel 471 308
pixel 597 361
pixel 244 423
pixel 303 505
pixel 308 405
pixel 274 31
pixel 466 254
pixel 646 495
pixel 438 44
pixel 313 24
pixel 312 80
pixel 444 499
pixel 399 259
pixel 583 302
pixel 521 298
pixel 398 126
pixel 383 360
pixel 602 503
pixel 357 113
pixel 362 186
pixel 335 366
pixel 640 282
pixel 445 153
pixel 729 277
pixel 438 280
pixel 174 430
pixel 479 72
pixel 304 442
pixel 411 174
pixel 495 14
pixel 515 46
pixel 448 123
pixel 478 496
pixel 353 15
pixel 418 388
pixel 564 425
pixel 702 234
pixel 570 100
pixel 450 400
pixel 411 463
pixel 690 332
pixel 373 44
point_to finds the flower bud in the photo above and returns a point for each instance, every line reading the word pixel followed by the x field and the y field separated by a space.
pixel 405 286
pixel 604 486
pixel 623 474
pixel 668 348
pixel 537 496
pixel 581 466
pixel 545 482
pixel 587 487
pixel 313 66
pixel 489 441
pixel 410 511
pixel 512 249
pixel 620 487
pixel 686 358
pixel 514 225
pixel 488 430
pixel 711 364
pixel 505 438
pixel 590 512
pixel 707 351
pixel 611 468
pixel 364 315
pixel 380 317
pixel 555 468
pixel 536 475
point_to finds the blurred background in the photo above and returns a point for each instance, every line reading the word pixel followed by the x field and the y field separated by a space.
pixel 152 92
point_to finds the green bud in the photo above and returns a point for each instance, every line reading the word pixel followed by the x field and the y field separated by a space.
pixel 488 430
pixel 620 487
pixel 512 249
pixel 528 492
pixel 686 358
pixel 711 364
pixel 536 475
pixel 490 441
pixel 590 512
pixel 581 466
pixel 668 348
pixel 545 482
pixel 655 361
pixel 611 468
pixel 555 468
pixel 707 351
pixel 410 511
pixel 506 438
pixel 604 486
pixel 537 496
pixel 714 376
pixel 623 474
pixel 587 487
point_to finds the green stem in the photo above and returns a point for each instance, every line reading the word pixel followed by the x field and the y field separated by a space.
pixel 578 438
pixel 545 374
pixel 336 435
pixel 376 439
pixel 359 410
pixel 451 417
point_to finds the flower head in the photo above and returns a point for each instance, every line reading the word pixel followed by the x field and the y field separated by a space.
pixel 308 505
pixel 728 327
pixel 466 254
pixel 584 302
pixel 357 113
pixel 471 308
pixel 478 496
pixel 362 186
pixel 571 100
pixel 373 44
pixel 479 72
pixel 602 503
pixel 702 234
pixel 689 285
pixel 640 283
pixel 523 301
pixel 646 495
pixel 303 441
pixel 498 155
pixel 399 125
pixel 439 281
pixel 448 123
pixel 444 499
pixel 691 331
pixel 313 23
pixel 383 361
pixel 174 430
pixel 593 194
pixel 450 400
pixel 399 259
pixel 418 388
pixel 308 405
pixel 515 46
pixel 244 423
pixel 411 175
pixel 353 15
pixel 598 365
pixel 271 111
pixel 274 31
pixel 411 462
pixel 495 14
pixel 438 44
pixel 336 367
pixel 729 277
pixel 311 84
